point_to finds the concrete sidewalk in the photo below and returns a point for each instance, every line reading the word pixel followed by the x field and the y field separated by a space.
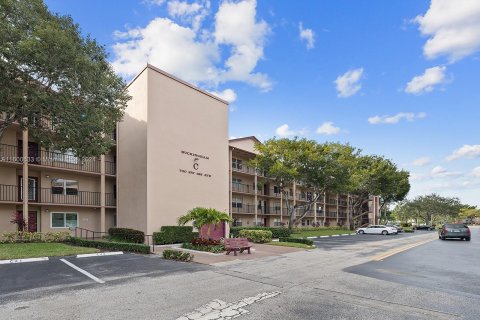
pixel 258 251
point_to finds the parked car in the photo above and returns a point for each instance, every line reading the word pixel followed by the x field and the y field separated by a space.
pixel 396 226
pixel 424 227
pixel 454 230
pixel 377 229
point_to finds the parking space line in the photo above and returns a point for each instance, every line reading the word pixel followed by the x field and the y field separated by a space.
pixel 395 251
pixel 88 274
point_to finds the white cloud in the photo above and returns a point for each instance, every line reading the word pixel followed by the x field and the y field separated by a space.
pixel 187 50
pixel 308 35
pixel 236 26
pixel 228 95
pixel 154 2
pixel 422 161
pixel 327 128
pixel 476 172
pixel 440 171
pixel 284 131
pixel 193 13
pixel 349 83
pixel 409 116
pixel 453 28
pixel 427 81
pixel 466 151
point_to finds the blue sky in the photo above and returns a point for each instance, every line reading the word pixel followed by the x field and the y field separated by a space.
pixel 396 78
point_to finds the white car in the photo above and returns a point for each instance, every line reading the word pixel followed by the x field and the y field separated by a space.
pixel 377 229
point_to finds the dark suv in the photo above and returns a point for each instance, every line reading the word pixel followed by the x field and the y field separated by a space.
pixel 454 230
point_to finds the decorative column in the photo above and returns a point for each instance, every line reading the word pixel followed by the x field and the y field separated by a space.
pixel 315 212
pixel 102 194
pixel 25 176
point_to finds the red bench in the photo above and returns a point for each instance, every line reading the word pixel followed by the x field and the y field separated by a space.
pixel 234 244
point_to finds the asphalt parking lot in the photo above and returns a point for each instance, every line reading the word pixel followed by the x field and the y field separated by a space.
pixel 342 241
pixel 450 266
pixel 66 273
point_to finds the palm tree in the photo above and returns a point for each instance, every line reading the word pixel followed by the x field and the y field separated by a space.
pixel 204 216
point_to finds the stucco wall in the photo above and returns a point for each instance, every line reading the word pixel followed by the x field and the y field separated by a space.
pixel 181 118
pixel 132 159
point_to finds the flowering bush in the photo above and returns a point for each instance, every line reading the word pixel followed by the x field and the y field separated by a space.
pixel 26 237
pixel 205 242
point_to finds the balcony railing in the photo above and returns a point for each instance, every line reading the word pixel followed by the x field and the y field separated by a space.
pixel 9 153
pixel 243 168
pixel 245 188
pixel 12 193
pixel 243 208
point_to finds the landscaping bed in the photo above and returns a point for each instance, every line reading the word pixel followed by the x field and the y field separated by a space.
pixel 10 251
pixel 213 246
pixel 291 244
pixel 318 232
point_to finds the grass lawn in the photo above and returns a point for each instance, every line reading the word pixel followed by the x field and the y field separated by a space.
pixel 291 244
pixel 318 233
pixel 33 250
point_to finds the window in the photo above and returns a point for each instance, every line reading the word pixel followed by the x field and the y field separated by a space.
pixel 64 186
pixel 64 219
pixel 276 189
pixel 236 202
pixel 237 164
pixel 32 188
pixel 277 222
pixel 236 183
pixel 237 222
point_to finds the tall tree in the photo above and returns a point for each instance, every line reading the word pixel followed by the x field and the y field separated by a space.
pixel 55 82
pixel 374 175
pixel 316 167
pixel 433 208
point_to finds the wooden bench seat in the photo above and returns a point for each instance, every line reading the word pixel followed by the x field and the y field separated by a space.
pixel 237 244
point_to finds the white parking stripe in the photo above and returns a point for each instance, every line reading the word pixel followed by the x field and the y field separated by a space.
pixel 88 274
pixel 100 254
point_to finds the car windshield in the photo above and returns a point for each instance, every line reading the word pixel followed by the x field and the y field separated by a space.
pixel 455 226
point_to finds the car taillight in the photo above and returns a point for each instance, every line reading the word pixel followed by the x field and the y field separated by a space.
pixel 444 230
pixel 468 231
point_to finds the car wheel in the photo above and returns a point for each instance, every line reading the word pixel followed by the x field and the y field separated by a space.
pixel 443 238
pixel 361 232
pixel 439 237
pixel 468 238
pixel 384 232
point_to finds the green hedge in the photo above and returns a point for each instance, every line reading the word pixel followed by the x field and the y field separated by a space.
pixel 174 234
pixel 408 230
pixel 257 236
pixel 23 236
pixel 129 247
pixel 127 235
pixel 177 255
pixel 304 241
pixel 276 232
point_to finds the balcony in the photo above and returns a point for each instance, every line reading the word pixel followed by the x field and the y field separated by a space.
pixel 243 188
pixel 243 208
pixel 11 193
pixel 243 169
pixel 67 161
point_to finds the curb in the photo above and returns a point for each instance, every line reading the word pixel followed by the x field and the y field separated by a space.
pixel 23 260
pixel 333 235
pixel 100 254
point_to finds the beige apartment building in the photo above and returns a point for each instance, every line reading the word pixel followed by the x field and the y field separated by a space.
pixel 62 191
pixel 257 201
pixel 172 153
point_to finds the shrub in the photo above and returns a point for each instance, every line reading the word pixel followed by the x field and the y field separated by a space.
pixel 406 225
pixel 205 242
pixel 26 237
pixel 257 236
pixel 129 247
pixel 408 230
pixel 208 248
pixel 127 235
pixel 277 232
pixel 177 255
pixel 61 236
pixel 304 241
pixel 174 234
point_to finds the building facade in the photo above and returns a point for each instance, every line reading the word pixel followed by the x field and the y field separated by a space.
pixel 62 191
pixel 256 200
pixel 171 154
